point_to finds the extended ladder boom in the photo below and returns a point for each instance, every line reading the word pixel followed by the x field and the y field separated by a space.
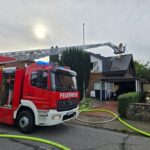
pixel 40 53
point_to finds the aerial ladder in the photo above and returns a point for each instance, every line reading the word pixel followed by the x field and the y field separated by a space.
pixel 40 53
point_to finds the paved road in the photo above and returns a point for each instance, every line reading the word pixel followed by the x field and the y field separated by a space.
pixel 77 138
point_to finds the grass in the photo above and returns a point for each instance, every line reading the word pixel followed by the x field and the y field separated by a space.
pixel 85 103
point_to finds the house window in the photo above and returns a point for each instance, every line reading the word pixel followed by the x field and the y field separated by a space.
pixel 91 66
pixel 103 85
pixel 94 66
pixel 97 86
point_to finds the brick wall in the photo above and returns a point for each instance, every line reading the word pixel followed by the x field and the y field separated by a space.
pixel 93 78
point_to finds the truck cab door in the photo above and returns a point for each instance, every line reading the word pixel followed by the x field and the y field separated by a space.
pixel 37 89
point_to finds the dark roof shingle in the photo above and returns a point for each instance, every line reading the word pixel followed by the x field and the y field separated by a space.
pixel 117 63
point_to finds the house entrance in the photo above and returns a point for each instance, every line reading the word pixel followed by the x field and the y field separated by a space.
pixel 124 87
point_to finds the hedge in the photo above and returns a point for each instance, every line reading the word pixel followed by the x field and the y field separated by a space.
pixel 125 100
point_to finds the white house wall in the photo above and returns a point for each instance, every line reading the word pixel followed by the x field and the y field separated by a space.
pixel 98 67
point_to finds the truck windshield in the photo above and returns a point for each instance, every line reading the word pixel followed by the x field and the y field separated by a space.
pixel 63 81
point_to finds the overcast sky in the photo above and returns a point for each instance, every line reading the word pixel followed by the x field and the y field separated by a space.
pixel 31 24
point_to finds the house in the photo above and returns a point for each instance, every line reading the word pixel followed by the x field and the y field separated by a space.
pixel 112 74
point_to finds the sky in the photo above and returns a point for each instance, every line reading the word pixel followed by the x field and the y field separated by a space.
pixel 32 24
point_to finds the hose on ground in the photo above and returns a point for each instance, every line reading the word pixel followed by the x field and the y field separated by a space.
pixel 119 119
pixel 62 147
pixel 96 122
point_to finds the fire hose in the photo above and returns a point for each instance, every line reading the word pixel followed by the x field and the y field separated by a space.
pixel 82 110
pixel 62 147
pixel 95 122
pixel 119 119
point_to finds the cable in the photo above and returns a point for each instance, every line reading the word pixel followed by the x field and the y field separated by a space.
pixel 35 139
pixel 119 119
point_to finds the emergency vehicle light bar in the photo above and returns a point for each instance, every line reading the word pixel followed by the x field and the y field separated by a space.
pixel 43 63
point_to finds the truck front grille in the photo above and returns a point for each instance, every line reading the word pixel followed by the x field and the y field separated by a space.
pixel 63 105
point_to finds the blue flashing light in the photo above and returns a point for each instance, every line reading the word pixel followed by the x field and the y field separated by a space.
pixel 44 63
pixel 61 67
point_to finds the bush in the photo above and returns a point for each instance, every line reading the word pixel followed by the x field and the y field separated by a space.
pixel 142 99
pixel 125 100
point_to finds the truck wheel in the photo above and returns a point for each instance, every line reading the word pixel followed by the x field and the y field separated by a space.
pixel 25 121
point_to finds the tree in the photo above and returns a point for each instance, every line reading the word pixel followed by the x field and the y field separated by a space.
pixel 142 70
pixel 55 59
pixel 79 61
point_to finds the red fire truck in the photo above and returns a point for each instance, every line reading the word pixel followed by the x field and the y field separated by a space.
pixel 41 94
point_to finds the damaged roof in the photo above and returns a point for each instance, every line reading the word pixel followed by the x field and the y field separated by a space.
pixel 115 64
